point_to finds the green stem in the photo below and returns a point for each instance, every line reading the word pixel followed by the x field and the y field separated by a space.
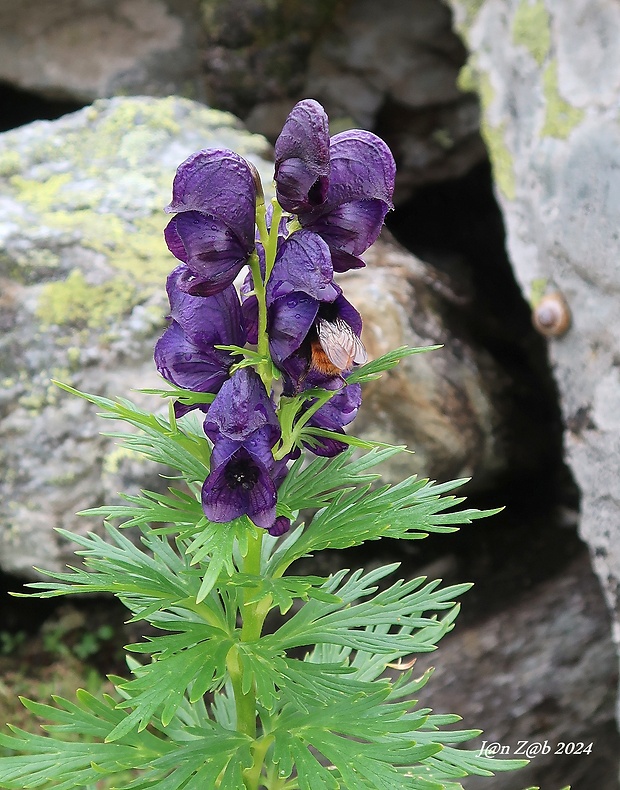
pixel 245 703
pixel 252 775
pixel 253 615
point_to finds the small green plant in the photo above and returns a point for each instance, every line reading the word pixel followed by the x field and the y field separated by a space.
pixel 325 699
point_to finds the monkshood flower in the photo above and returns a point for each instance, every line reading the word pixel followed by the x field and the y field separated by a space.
pixel 185 354
pixel 310 323
pixel 243 426
pixel 212 232
pixel 340 188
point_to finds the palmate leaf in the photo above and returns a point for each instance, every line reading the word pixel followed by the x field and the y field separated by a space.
pixel 185 665
pixel 410 510
pixel 145 580
pixel 69 763
pixel 181 510
pixel 404 605
pixel 316 484
pixel 218 544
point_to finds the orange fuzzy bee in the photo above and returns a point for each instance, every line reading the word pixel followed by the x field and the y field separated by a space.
pixel 335 348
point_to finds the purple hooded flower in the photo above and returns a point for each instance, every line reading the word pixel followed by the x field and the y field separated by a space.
pixel 340 188
pixel 185 354
pixel 302 158
pixel 339 411
pixel 361 185
pixel 301 280
pixel 243 427
pixel 212 232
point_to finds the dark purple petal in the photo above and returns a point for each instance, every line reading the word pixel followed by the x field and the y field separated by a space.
pixel 183 363
pixel 209 248
pixel 302 157
pixel 214 320
pixel 242 406
pixel 250 318
pixel 340 410
pixel 303 264
pixel 217 182
pixel 280 526
pixel 362 168
pixel 326 446
pixel 249 308
pixel 343 309
pixel 258 445
pixel 290 320
pixel 349 229
pixel 241 486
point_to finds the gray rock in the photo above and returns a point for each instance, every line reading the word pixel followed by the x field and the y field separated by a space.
pixel 82 50
pixel 541 670
pixel 548 74
pixel 82 272
pixel 395 72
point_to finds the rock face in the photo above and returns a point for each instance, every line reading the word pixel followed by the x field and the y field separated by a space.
pixel 82 270
pixel 536 658
pixel 549 81
pixel 256 58
pixel 82 50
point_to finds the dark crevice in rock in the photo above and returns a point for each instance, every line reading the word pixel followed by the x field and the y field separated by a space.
pixel 457 227
pixel 19 107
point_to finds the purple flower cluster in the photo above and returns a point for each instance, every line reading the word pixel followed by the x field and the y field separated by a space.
pixel 336 192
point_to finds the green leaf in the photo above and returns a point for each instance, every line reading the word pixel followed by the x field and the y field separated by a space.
pixel 282 592
pixel 356 513
pixel 74 763
pixel 372 370
pixel 351 621
pixel 217 543
pixel 181 510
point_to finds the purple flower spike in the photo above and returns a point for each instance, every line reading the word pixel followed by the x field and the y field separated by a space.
pixel 302 158
pixel 185 353
pixel 214 200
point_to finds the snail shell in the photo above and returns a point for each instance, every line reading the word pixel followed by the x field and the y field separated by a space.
pixel 551 316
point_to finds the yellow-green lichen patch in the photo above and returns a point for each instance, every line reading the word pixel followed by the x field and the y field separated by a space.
pixel 560 116
pixel 467 80
pixel 75 302
pixel 501 158
pixel 530 28
pixel 40 195
pixel 493 136
pixel 144 255
pixel 10 163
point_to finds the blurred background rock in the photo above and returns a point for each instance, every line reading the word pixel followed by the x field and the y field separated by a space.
pixel 502 115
